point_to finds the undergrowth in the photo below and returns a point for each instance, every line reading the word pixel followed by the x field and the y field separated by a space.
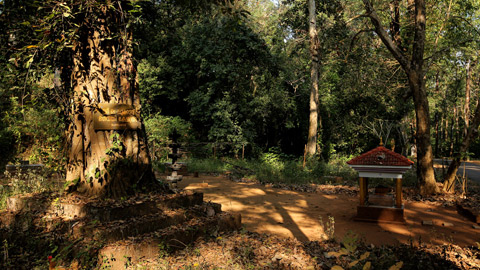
pixel 275 168
pixel 29 181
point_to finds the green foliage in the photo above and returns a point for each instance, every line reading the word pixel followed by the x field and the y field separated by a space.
pixel 27 181
pixel 328 229
pixel 207 165
pixel 116 146
pixel 159 128
pixel 236 74
pixel 215 70
pixel 274 167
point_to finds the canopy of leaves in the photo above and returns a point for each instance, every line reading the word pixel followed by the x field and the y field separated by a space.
pixel 237 72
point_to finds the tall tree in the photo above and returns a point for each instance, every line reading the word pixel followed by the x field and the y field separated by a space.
pixel 89 44
pixel 413 66
pixel 459 36
pixel 105 162
pixel 314 101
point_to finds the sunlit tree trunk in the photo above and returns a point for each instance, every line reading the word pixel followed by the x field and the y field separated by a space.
pixel 413 67
pixel 466 110
pixel 472 133
pixel 452 130
pixel 105 162
pixel 314 100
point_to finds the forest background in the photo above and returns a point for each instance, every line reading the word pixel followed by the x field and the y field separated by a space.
pixel 233 78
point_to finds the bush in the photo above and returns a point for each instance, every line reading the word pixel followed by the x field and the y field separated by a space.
pixel 159 128
pixel 273 167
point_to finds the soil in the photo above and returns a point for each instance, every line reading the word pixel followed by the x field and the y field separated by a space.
pixel 305 215
pixel 249 250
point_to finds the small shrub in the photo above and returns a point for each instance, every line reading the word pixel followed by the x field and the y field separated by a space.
pixel 328 228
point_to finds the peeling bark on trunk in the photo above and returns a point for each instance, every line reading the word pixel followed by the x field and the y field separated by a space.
pixel 105 162
pixel 314 100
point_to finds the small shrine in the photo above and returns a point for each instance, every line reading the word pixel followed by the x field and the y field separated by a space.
pixel 380 206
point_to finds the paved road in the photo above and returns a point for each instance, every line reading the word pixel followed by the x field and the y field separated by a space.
pixel 472 169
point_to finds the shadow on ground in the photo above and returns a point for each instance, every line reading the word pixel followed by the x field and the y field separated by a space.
pixel 305 216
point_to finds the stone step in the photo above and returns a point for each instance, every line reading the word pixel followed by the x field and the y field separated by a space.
pixel 24 211
pixel 105 213
pixel 150 246
pixel 123 229
pixel 29 202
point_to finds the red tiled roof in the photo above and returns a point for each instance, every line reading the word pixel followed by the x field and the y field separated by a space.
pixel 381 156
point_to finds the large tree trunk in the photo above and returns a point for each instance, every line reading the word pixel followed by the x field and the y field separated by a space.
pixel 314 100
pixel 105 162
pixel 413 67
pixel 425 173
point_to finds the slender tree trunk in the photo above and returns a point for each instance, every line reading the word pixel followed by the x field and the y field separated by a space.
pixel 446 135
pixel 105 162
pixel 437 134
pixel 452 131
pixel 466 110
pixel 449 182
pixel 437 117
pixel 314 100
pixel 470 135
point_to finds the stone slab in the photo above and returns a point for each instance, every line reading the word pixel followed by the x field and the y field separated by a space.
pixel 427 222
pixel 380 214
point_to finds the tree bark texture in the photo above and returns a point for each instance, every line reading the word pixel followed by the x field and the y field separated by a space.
pixel 314 100
pixel 105 162
pixel 413 67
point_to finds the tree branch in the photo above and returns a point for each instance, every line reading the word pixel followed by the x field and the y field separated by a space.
pixel 354 38
pixel 357 17
pixel 380 30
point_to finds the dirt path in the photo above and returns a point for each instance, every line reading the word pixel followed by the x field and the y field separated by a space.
pixel 297 214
